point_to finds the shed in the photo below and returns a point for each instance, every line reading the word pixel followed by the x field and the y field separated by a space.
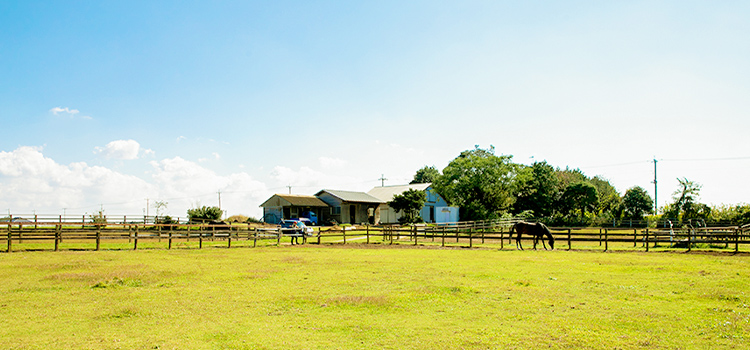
pixel 349 206
pixel 287 206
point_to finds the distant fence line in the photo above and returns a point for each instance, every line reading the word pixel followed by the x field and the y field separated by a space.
pixel 155 219
pixel 450 234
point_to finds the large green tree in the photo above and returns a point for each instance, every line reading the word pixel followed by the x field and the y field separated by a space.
pixel 609 198
pixel 410 202
pixel 636 202
pixel 537 189
pixel 480 183
pixel 427 174
pixel 580 196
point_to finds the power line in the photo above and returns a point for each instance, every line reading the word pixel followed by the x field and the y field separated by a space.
pixel 705 159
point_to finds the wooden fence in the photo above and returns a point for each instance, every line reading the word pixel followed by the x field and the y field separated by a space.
pixel 464 234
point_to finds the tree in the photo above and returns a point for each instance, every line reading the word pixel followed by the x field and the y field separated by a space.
pixel 480 183
pixel 609 199
pixel 581 196
pixel 204 214
pixel 636 202
pixel 410 202
pixel 537 190
pixel 686 205
pixel 427 174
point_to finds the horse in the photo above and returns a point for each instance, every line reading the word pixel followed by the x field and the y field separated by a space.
pixel 534 229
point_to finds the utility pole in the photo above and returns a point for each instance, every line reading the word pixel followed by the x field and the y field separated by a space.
pixel 219 192
pixel 382 180
pixel 656 201
pixel 290 188
pixel 146 206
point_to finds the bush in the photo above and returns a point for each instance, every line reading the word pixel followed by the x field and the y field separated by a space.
pixel 204 214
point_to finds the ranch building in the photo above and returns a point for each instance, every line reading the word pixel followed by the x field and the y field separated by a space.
pixel 349 206
pixel 288 206
pixel 435 209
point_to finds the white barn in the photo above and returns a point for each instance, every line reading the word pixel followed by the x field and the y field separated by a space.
pixel 435 210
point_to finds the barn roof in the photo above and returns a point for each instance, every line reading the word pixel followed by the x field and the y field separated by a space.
pixel 297 200
pixel 351 196
pixel 386 193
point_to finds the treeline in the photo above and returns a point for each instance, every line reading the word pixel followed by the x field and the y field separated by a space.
pixel 487 186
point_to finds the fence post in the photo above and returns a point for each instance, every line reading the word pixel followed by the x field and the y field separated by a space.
pixel 646 239
pixel 471 243
pixel 737 239
pixel 606 240
pixel 501 237
pixel 414 228
pixel 10 241
pixel 135 238
pixel 170 237
pixel 569 240
pixel 278 237
pixel 58 232
pixel 443 243
pixel 635 237
pixel 98 236
pixel 343 232
pixel 600 237
pixel 368 233
pixel 229 237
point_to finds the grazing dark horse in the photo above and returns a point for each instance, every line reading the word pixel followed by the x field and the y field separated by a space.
pixel 537 230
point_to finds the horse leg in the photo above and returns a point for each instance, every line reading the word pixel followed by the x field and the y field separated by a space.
pixel 518 241
pixel 544 244
pixel 536 241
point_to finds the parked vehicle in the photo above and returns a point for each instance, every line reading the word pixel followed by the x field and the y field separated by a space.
pixel 309 217
pixel 293 226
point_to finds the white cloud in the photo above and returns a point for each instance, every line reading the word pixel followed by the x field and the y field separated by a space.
pixel 121 149
pixel 327 162
pixel 72 113
pixel 32 181
pixel 29 181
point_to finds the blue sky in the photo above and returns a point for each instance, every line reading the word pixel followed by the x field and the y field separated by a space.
pixel 108 104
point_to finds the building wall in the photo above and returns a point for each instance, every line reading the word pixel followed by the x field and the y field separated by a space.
pixel 336 211
pixel 434 201
pixel 272 215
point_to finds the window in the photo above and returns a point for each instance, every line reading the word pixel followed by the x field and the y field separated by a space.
pixel 335 210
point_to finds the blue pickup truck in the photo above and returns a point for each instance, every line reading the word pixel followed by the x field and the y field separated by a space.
pixel 309 218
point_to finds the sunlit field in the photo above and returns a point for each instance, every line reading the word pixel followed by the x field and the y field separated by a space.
pixel 359 296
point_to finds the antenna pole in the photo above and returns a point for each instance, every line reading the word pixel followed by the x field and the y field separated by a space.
pixel 382 180
pixel 656 201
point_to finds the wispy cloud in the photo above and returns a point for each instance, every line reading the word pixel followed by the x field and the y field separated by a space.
pixel 71 113
pixel 122 149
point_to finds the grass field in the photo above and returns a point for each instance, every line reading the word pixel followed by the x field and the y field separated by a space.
pixel 372 296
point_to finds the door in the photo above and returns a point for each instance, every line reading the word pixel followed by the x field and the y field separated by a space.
pixel 352 214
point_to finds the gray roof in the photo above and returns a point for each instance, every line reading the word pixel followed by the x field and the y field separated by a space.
pixel 386 193
pixel 351 196
pixel 295 200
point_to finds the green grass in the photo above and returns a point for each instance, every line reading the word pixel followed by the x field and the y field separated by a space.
pixel 363 297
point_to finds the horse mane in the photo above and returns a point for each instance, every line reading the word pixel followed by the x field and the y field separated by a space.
pixel 548 233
